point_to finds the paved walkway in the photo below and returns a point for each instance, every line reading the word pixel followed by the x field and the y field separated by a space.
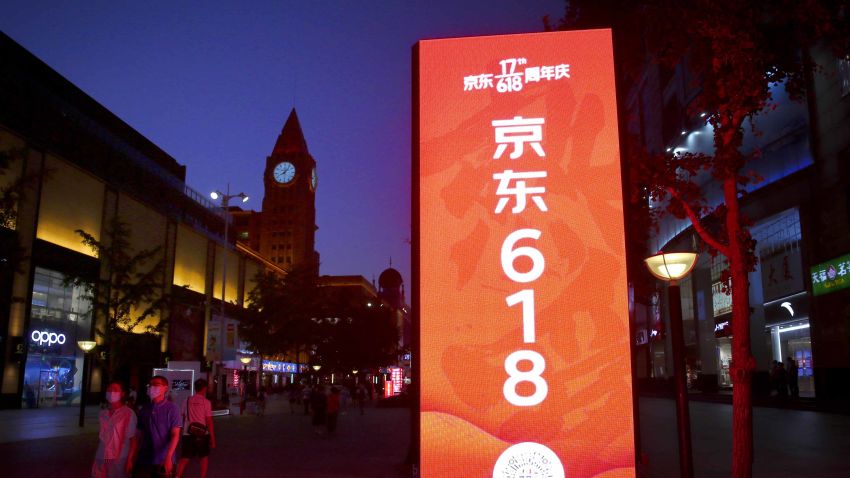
pixel 788 443
pixel 278 444
pixel 26 424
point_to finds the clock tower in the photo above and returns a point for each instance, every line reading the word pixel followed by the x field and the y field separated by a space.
pixel 288 224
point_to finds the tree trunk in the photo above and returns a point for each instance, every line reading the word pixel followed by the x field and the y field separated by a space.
pixel 743 362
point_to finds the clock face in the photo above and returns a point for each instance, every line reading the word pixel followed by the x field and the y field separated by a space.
pixel 528 460
pixel 314 180
pixel 284 172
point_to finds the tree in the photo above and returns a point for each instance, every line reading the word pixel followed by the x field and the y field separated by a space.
pixel 278 317
pixel 11 188
pixel 262 324
pixel 735 50
pixel 127 293
pixel 358 336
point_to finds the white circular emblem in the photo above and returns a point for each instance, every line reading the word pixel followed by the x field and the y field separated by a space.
pixel 528 460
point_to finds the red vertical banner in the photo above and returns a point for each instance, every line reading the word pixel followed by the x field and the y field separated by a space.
pixel 523 343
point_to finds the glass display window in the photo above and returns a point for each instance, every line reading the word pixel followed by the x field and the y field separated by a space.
pixel 60 315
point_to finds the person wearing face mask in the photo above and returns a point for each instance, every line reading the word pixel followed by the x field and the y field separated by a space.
pixel 116 447
pixel 159 432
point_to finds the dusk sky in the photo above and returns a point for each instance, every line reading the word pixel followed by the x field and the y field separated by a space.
pixel 212 83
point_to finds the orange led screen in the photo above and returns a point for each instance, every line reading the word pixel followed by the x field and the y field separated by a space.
pixel 524 350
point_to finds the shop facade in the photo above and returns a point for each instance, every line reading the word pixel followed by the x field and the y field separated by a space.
pixel 60 316
pixel 780 321
pixel 87 170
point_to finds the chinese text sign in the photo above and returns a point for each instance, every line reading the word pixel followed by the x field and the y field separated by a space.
pixel 524 337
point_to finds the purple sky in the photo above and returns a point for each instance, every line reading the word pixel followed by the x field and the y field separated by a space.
pixel 212 83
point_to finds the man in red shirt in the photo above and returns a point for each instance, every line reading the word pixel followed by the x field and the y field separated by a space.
pixel 333 409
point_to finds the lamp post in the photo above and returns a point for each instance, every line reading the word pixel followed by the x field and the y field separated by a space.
pixel 225 201
pixel 86 346
pixel 671 268
pixel 245 361
pixel 316 368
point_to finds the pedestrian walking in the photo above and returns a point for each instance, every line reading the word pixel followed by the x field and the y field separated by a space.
pixel 793 378
pixel 344 399
pixel 116 447
pixel 782 381
pixel 131 397
pixel 198 431
pixel 319 404
pixel 159 432
pixel 774 377
pixel 333 410
pixel 261 401
pixel 361 397
pixel 305 397
pixel 292 395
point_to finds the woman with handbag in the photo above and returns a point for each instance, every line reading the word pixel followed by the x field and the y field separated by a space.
pixel 198 433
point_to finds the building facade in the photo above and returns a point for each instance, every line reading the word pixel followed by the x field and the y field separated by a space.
pixel 84 169
pixel 285 229
pixel 800 220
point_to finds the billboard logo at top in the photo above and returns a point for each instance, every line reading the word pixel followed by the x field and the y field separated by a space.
pixel 521 284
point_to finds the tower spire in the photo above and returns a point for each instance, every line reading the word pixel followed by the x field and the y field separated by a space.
pixel 291 138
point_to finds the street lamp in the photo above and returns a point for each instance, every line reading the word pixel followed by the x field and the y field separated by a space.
pixel 225 201
pixel 86 346
pixel 316 367
pixel 671 268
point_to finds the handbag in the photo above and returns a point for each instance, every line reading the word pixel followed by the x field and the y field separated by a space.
pixel 195 429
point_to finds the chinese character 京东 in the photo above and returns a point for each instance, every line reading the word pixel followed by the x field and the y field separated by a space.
pixel 477 82
pixel 518 131
pixel 520 191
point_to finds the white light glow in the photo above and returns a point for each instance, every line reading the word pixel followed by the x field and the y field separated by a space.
pixel 795 327
pixel 671 266
pixel 214 195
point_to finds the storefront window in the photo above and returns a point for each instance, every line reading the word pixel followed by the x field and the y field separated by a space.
pixel 724 359
pixel 793 341
pixel 60 315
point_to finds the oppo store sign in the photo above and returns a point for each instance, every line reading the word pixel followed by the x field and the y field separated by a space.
pixel 44 337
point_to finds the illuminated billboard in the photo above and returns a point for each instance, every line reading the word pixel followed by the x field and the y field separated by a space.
pixel 523 343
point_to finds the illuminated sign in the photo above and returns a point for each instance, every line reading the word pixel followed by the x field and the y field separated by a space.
pixel 524 342
pixel 280 367
pixel 397 378
pixel 721 302
pixel 42 337
pixel 831 276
